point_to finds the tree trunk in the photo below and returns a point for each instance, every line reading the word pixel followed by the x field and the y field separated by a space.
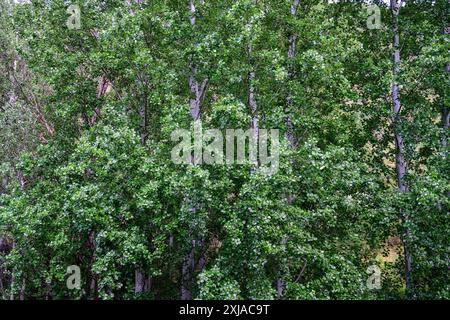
pixel 93 287
pixel 253 105
pixel 13 276
pixel 141 282
pixel 290 136
pixel 400 161
pixel 445 124
pixel 2 287
pixel 187 273
pixel 197 94
pixel 445 110
pixel 252 95
pixel 143 115
pixel 201 263
pixel 22 290
pixel 13 94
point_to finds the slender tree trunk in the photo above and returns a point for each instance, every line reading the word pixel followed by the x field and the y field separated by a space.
pixel 445 110
pixel 254 123
pixel 280 287
pixel 188 261
pixel 6 245
pixel 254 139
pixel 13 80
pixel 2 286
pixel 93 286
pixel 142 283
pixel 144 120
pixel 289 100
pixel 445 124
pixel 252 94
pixel 22 290
pixel 400 161
pixel 289 135
pixel 102 88
pixel 197 93
pixel 23 184
pixel 13 276
pixel 49 291
pixel 252 103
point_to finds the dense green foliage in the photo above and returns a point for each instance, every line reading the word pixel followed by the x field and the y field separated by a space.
pixel 86 117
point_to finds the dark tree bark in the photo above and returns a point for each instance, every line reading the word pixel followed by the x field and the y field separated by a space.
pixel 13 276
pixel 400 161
pixel 187 273
pixel 142 283
pixel 197 93
pixel 252 94
pixel 93 286
pixel 445 124
pixel 290 136
pixel 6 245
pixel 144 121
pixel 102 88
pixel 252 103
pixel 445 110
